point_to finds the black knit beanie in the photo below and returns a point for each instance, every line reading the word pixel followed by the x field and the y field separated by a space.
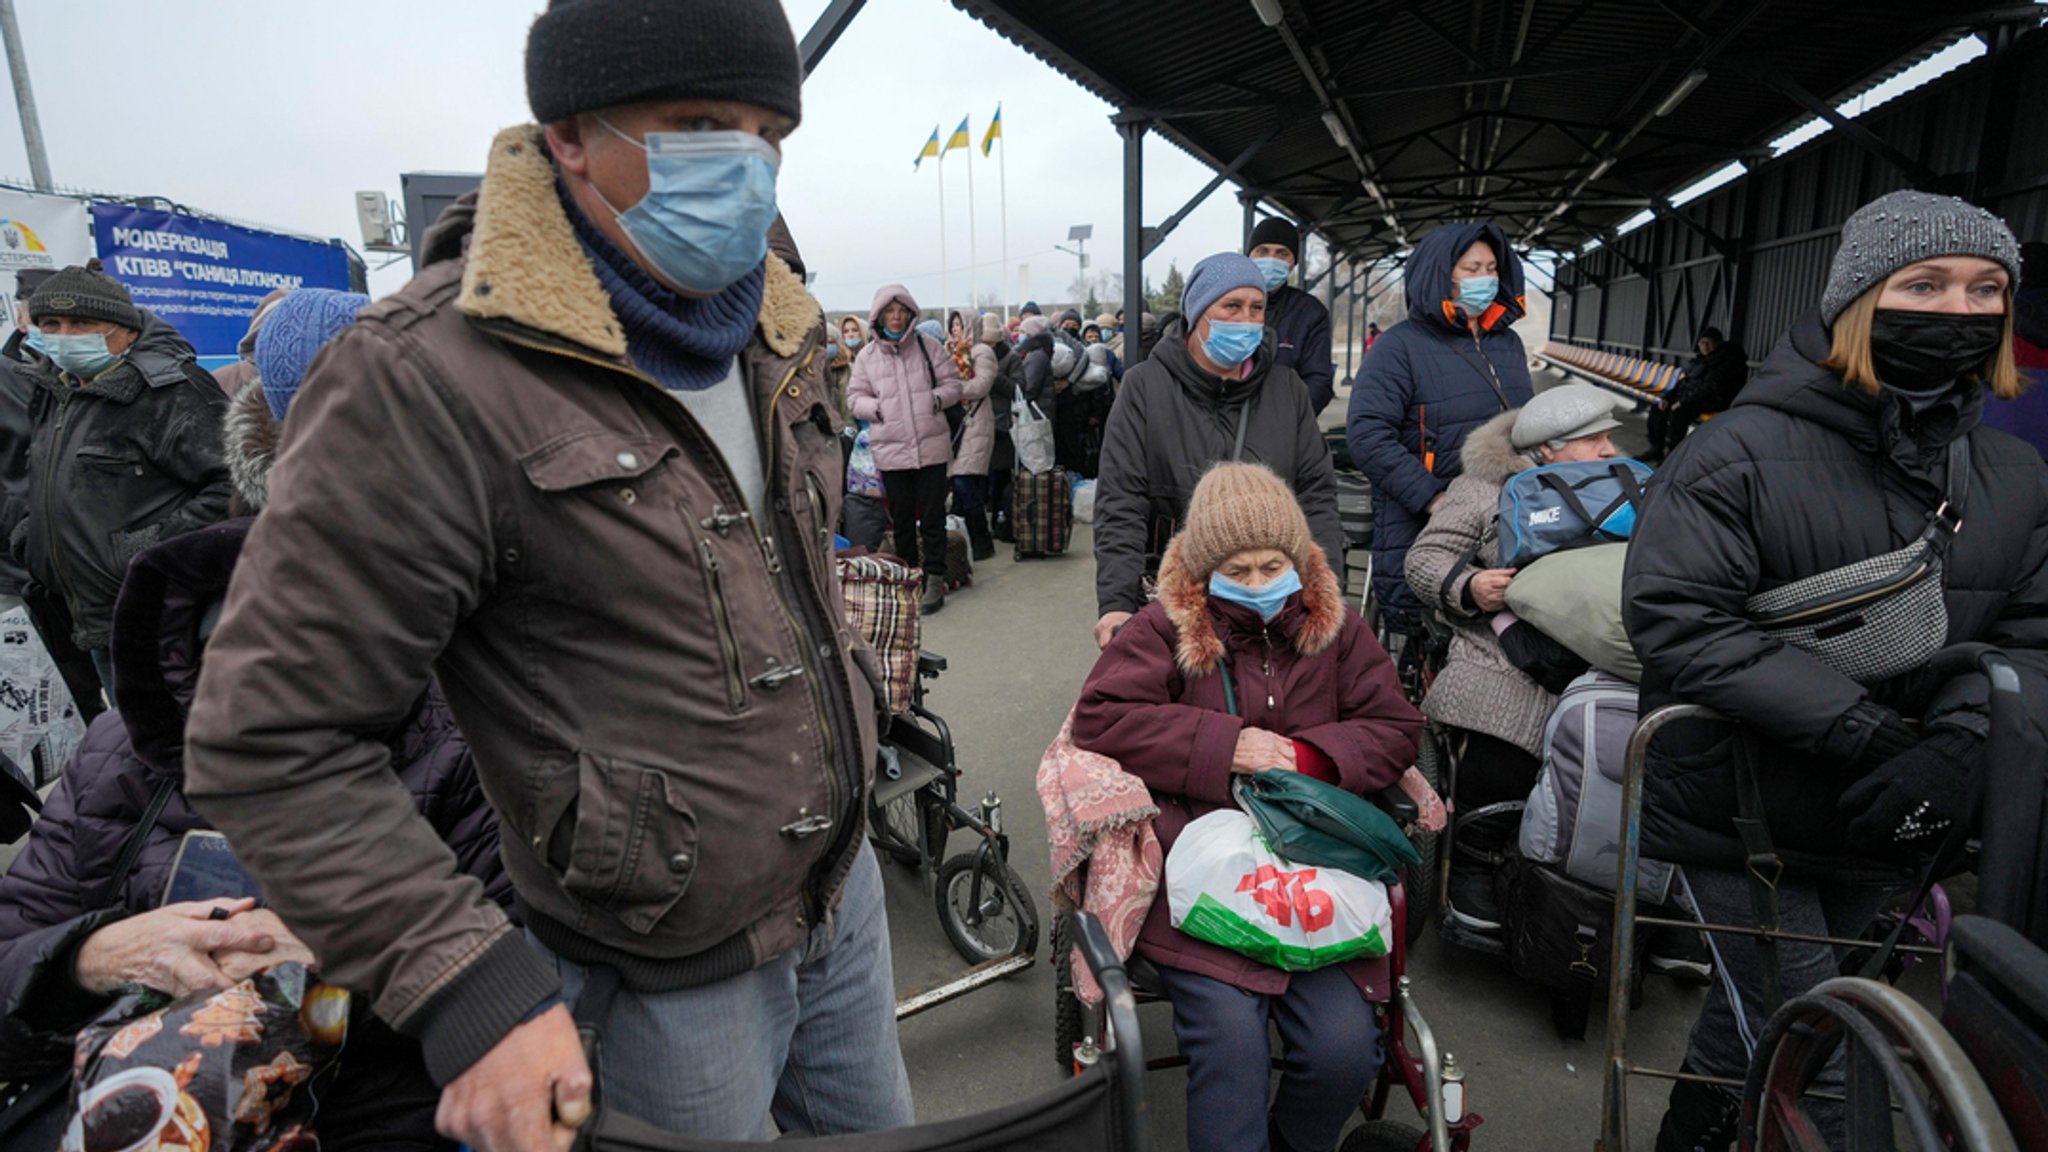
pixel 585 55
pixel 84 295
pixel 1276 230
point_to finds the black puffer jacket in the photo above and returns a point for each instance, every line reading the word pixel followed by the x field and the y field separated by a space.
pixel 1801 476
pixel 1171 422
pixel 118 464
pixel 59 889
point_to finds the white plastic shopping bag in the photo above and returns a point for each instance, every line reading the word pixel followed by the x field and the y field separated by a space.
pixel 1031 432
pixel 1084 499
pixel 1225 886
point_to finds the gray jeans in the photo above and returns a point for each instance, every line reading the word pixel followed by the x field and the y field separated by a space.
pixel 1725 1035
pixel 808 1038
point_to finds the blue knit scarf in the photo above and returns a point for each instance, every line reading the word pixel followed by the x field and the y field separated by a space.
pixel 685 344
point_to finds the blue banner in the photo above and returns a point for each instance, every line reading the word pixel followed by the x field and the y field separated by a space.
pixel 204 277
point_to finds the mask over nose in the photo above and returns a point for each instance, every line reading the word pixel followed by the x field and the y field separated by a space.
pixel 710 202
pixel 1476 293
pixel 1920 351
pixel 1267 599
pixel 84 355
pixel 1274 270
pixel 1230 344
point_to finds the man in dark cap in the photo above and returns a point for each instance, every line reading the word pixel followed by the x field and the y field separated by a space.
pixel 579 469
pixel 1710 383
pixel 1300 323
pixel 125 448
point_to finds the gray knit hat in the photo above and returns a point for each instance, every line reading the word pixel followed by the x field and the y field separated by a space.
pixel 86 295
pixel 1214 278
pixel 1563 413
pixel 1901 228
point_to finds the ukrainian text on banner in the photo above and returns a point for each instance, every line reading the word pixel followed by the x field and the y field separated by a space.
pixel 204 277
pixel 38 232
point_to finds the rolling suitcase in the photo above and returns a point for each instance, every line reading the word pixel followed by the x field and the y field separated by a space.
pixel 1044 516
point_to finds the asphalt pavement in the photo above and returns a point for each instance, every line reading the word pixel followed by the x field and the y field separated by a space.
pixel 1019 646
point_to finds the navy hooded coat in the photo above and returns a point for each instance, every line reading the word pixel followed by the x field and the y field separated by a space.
pixel 1427 382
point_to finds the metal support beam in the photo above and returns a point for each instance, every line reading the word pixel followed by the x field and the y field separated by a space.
pixel 1154 237
pixel 1251 220
pixel 25 99
pixel 1133 133
pixel 825 32
pixel 1921 176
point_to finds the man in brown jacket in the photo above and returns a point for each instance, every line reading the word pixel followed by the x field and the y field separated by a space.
pixel 587 472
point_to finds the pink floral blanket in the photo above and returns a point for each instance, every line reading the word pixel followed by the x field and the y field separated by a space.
pixel 1105 856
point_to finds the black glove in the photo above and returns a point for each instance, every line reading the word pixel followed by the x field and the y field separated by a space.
pixel 1892 739
pixel 1550 664
pixel 1911 800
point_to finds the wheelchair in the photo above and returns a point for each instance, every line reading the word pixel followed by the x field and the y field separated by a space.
pixel 985 908
pixel 1975 1079
pixel 1423 1071
pixel 1101 1109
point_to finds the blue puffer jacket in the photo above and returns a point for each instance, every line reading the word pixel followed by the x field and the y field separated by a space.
pixel 1422 389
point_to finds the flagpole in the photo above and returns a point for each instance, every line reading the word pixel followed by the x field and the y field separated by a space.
pixel 1003 199
pixel 945 273
pixel 970 235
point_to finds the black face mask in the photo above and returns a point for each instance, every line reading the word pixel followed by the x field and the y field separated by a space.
pixel 1918 351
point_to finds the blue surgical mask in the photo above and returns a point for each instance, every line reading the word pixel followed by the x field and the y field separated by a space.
pixel 84 355
pixel 710 201
pixel 1476 293
pixel 1275 270
pixel 831 347
pixel 1267 599
pixel 33 337
pixel 853 341
pixel 1230 344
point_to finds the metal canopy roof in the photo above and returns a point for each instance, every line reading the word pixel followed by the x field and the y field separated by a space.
pixel 1374 120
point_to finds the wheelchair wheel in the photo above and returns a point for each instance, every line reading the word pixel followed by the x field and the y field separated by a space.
pixel 1000 920
pixel 1384 1136
pixel 1067 1011
pixel 1897 1057
pixel 1421 880
pixel 898 829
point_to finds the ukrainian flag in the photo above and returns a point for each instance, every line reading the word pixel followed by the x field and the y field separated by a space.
pixel 959 138
pixel 930 150
pixel 994 133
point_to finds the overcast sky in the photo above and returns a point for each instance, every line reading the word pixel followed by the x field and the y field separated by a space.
pixel 277 113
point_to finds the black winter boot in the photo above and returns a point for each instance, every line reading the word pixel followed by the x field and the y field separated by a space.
pixel 934 595
pixel 982 546
pixel 1701 1118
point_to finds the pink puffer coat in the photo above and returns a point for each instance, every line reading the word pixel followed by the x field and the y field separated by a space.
pixel 900 387
pixel 978 435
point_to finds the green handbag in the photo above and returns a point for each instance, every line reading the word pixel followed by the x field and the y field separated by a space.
pixel 1310 822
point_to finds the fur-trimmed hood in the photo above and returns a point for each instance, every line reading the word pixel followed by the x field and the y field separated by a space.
pixel 1311 621
pixel 527 268
pixel 1489 454
pixel 248 440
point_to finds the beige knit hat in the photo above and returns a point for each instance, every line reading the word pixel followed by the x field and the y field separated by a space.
pixel 1238 507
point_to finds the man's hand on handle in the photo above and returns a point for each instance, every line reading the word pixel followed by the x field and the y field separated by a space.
pixel 528 1094
pixel 1105 628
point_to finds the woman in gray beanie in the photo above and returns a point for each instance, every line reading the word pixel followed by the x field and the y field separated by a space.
pixel 1858 438
pixel 1211 391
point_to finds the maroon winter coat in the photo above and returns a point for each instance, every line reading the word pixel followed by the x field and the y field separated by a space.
pixel 1315 674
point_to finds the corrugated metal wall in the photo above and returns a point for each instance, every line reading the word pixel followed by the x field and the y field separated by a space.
pixel 1652 290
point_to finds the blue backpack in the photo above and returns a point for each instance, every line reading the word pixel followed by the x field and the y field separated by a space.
pixel 1559 506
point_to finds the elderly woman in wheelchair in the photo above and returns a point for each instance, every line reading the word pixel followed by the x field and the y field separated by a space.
pixel 1250 662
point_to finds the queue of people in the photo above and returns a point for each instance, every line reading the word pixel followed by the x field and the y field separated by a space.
pixel 511 687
